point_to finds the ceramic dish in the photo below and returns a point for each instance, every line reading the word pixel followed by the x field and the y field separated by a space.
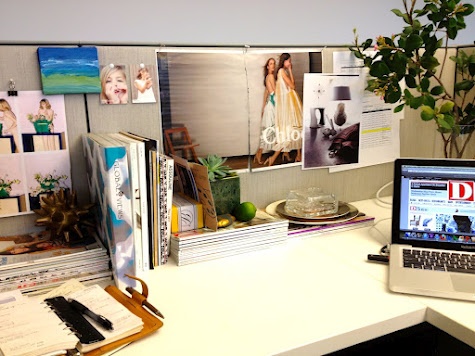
pixel 343 209
pixel 352 213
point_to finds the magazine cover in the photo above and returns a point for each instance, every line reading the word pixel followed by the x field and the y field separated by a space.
pixel 26 249
pixel 227 95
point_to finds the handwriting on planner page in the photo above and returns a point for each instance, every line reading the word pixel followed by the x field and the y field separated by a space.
pixel 29 326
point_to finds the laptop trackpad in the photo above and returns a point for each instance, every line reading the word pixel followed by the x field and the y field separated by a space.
pixel 463 283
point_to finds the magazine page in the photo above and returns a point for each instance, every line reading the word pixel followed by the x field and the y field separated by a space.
pixel 34 150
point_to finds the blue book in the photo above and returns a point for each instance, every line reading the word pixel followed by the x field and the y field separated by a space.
pixel 110 189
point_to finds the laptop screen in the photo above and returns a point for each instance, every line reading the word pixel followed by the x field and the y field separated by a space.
pixel 434 203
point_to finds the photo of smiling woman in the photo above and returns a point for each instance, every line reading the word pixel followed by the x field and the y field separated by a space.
pixel 114 85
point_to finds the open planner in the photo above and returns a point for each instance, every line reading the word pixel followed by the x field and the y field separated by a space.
pixel 31 327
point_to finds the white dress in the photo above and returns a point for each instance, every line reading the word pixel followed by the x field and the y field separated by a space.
pixel 147 96
pixel 267 136
pixel 288 117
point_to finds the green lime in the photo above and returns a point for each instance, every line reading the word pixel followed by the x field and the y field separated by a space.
pixel 245 211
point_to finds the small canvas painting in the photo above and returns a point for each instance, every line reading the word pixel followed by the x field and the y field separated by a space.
pixel 69 70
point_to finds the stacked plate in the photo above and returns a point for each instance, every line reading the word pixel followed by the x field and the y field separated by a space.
pixel 345 212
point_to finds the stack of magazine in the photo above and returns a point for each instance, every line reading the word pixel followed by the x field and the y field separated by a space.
pixel 33 263
pixel 198 245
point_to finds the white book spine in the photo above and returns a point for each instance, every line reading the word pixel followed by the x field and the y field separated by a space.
pixel 144 205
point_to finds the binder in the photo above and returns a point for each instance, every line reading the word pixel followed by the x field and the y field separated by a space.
pixel 67 329
pixel 86 332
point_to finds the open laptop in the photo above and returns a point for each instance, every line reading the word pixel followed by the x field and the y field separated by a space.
pixel 433 228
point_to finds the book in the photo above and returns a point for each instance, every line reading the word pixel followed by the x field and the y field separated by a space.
pixel 33 263
pixel 20 336
pixel 132 161
pixel 22 250
pixel 187 213
pixel 150 144
pixel 264 231
pixel 166 165
pixel 154 207
pixel 143 194
pixel 109 186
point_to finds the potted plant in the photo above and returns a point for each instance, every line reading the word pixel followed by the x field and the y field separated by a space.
pixel 41 123
pixel 225 184
pixel 6 186
pixel 409 57
pixel 47 184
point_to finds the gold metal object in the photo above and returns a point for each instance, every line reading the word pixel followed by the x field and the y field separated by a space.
pixel 61 215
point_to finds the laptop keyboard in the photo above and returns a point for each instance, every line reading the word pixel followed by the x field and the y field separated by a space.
pixel 439 261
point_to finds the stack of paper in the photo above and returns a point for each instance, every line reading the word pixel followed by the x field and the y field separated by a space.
pixel 298 230
pixel 197 245
pixel 34 263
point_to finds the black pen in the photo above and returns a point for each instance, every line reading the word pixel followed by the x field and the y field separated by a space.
pixel 107 324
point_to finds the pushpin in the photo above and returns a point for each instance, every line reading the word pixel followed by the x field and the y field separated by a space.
pixel 12 91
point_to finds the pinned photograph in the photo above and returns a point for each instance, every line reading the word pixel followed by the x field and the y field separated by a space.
pixel 114 88
pixel 143 80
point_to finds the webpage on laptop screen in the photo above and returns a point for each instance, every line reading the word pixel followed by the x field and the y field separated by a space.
pixel 437 203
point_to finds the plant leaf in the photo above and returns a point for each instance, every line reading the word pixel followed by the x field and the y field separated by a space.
pixel 413 41
pixel 465 85
pixel 437 90
pixel 399 108
pixel 427 113
pixel 379 69
pixel 447 107
pixel 397 12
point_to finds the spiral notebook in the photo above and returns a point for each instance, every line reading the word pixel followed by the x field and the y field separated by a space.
pixel 20 335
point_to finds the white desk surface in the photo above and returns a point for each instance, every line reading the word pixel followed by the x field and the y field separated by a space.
pixel 312 295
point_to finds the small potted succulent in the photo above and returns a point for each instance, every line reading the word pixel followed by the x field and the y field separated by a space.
pixel 225 184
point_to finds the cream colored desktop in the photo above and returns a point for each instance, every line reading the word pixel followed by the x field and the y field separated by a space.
pixel 310 296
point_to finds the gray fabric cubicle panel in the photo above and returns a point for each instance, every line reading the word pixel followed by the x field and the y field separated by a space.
pixel 143 119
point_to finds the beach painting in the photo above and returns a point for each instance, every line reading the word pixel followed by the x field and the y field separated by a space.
pixel 69 70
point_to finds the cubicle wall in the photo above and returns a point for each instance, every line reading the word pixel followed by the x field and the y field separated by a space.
pixel 85 113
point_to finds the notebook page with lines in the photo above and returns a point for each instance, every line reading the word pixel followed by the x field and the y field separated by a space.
pixel 29 327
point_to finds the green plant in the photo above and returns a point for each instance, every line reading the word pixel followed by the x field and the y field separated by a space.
pixel 6 186
pixel 48 183
pixel 410 56
pixel 216 168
